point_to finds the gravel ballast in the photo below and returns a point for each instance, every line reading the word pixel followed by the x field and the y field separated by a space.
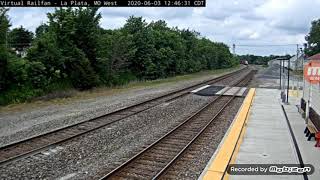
pixel 106 148
pixel 15 126
pixel 191 164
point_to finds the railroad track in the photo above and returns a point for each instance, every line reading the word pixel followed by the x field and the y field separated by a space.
pixel 33 145
pixel 191 163
pixel 156 159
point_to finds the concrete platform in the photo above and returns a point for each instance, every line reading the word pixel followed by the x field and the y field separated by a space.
pixel 266 139
pixel 309 153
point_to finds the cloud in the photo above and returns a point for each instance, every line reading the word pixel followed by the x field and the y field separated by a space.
pixel 152 12
pixel 232 21
pixel 247 34
pixel 293 16
pixel 221 9
pixel 30 18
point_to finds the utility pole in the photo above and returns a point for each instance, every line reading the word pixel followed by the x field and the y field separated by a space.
pixel 280 62
pixel 297 56
pixel 296 84
pixel 303 59
pixel 283 65
pixel 288 85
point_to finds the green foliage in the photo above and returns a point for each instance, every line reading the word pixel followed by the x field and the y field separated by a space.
pixel 72 48
pixel 19 94
pixel 3 66
pixel 37 75
pixel 162 51
pixel 41 30
pixel 141 36
pixel 81 73
pixel 115 52
pixel 87 32
pixel 17 73
pixel 4 27
pixel 259 60
pixel 22 73
pixel 20 38
pixel 45 50
pixel 64 25
pixel 313 39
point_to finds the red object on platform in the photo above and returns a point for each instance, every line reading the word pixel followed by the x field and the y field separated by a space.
pixel 317 139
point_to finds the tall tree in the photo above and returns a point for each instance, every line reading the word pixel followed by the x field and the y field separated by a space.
pixel 313 39
pixel 42 29
pixel 4 27
pixel 63 26
pixel 190 39
pixel 87 32
pixel 116 50
pixel 141 64
pixel 46 50
pixel 20 38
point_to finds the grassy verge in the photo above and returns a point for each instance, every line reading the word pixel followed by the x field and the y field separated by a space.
pixel 298 73
pixel 71 95
pixel 180 78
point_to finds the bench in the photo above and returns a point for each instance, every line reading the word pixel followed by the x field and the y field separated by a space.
pixel 310 130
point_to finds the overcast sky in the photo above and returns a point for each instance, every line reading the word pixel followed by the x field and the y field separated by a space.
pixel 242 22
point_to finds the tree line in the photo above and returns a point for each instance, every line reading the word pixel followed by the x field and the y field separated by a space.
pixel 260 60
pixel 72 50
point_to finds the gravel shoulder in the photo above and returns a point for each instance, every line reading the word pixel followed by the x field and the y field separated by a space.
pixel 26 122
pixel 106 148
pixel 269 77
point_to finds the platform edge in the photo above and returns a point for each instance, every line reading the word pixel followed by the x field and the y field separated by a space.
pixel 228 150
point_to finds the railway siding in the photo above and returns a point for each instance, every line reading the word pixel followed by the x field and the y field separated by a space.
pixel 49 156
pixel 26 120
pixel 145 165
pixel 27 147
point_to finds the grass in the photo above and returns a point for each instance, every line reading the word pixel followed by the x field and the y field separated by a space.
pixel 298 72
pixel 180 78
pixel 70 95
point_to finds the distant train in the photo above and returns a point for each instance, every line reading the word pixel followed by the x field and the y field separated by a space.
pixel 244 62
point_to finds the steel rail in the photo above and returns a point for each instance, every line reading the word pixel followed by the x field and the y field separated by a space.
pixel 201 132
pixel 119 168
pixel 36 150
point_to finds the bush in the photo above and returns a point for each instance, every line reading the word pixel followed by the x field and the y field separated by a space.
pixel 3 67
pixel 37 75
pixel 19 94
pixel 122 78
pixel 73 48
pixel 81 73
pixel 17 73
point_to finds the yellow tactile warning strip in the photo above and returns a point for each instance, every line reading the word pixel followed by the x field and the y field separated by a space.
pixel 294 93
pixel 231 144
pixel 235 153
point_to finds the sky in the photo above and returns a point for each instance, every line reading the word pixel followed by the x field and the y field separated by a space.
pixel 239 22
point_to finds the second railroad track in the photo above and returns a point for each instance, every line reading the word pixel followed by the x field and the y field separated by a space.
pixel 157 158
pixel 39 143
